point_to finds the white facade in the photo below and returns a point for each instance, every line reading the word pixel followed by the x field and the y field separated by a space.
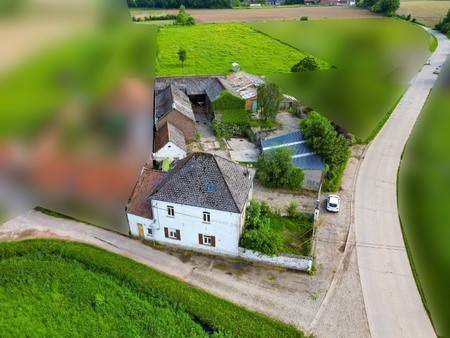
pixel 170 151
pixel 192 227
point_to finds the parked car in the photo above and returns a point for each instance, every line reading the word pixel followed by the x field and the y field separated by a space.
pixel 333 203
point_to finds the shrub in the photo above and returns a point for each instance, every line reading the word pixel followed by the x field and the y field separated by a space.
pixel 306 64
pixel 227 130
pixel 227 101
pixel 304 18
pixel 263 240
pixel 445 28
pixel 292 209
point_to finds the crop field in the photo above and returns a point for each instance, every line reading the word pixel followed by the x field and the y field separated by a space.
pixel 424 205
pixel 259 14
pixel 57 288
pixel 211 49
pixel 428 13
pixel 374 59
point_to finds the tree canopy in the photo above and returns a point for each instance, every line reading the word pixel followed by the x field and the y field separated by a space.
pixel 182 56
pixel 276 170
pixel 444 24
pixel 269 99
pixel 320 135
pixel 387 7
pixel 306 64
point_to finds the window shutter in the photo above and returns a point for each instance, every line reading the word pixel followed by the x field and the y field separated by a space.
pixel 166 232
pixel 178 235
pixel 200 239
pixel 213 240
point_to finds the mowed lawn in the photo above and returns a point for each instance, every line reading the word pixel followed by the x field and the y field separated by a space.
pixel 424 199
pixel 426 12
pixel 55 288
pixel 212 48
pixel 374 60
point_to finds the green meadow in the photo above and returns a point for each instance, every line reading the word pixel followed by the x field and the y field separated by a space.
pixel 55 288
pixel 212 48
pixel 424 199
pixel 373 59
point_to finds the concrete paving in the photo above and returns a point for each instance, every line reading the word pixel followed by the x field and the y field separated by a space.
pixel 393 304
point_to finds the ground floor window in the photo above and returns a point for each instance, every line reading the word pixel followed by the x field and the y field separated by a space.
pixel 206 240
pixel 150 231
pixel 172 233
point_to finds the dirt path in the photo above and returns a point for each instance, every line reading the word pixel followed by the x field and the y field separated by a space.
pixel 243 15
pixel 292 297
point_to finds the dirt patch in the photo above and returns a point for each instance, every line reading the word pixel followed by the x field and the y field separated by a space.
pixel 244 15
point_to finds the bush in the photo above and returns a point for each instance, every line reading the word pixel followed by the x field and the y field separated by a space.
pixel 276 170
pixel 227 101
pixel 304 18
pixel 227 130
pixel 263 240
pixel 445 28
pixel 306 64
pixel 291 210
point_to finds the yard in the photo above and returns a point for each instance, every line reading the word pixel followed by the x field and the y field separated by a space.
pixel 52 287
pixel 368 81
pixel 211 49
pixel 423 203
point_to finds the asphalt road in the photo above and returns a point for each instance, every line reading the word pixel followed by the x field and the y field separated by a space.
pixel 393 304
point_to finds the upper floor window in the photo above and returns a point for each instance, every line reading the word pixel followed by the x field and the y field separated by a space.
pixel 170 211
pixel 206 217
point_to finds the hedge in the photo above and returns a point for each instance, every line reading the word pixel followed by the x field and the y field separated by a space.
pixel 227 101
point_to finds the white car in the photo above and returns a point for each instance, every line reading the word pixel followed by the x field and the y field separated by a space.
pixel 333 203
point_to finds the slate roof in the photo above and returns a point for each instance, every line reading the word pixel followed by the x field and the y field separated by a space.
pixel 304 156
pixel 173 98
pixel 196 85
pixel 169 133
pixel 207 181
pixel 138 204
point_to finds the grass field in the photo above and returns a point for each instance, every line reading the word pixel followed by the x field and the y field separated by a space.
pixel 428 13
pixel 374 60
pixel 423 202
pixel 56 288
pixel 89 66
pixel 212 48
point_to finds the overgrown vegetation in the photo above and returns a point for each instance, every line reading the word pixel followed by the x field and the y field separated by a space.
pixel 239 116
pixel 227 101
pixel 52 288
pixel 271 234
pixel 332 147
pixel 184 19
pixel 269 99
pixel 276 170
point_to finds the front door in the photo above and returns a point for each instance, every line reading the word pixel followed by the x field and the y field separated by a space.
pixel 141 230
pixel 254 105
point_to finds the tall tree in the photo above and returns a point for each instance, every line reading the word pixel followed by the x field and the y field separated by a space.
pixel 386 6
pixel 320 135
pixel 182 56
pixel 269 99
pixel 276 170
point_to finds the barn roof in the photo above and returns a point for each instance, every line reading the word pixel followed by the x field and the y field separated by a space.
pixel 169 133
pixel 173 98
pixel 207 181
pixel 303 156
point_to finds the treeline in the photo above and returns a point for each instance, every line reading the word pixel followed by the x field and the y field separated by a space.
pixel 178 3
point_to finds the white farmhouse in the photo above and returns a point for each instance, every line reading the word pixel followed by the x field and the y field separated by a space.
pixel 169 143
pixel 200 204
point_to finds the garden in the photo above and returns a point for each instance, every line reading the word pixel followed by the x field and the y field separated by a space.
pixel 59 288
pixel 268 232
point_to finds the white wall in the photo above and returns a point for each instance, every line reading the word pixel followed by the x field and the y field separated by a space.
pixel 133 221
pixel 225 226
pixel 171 151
